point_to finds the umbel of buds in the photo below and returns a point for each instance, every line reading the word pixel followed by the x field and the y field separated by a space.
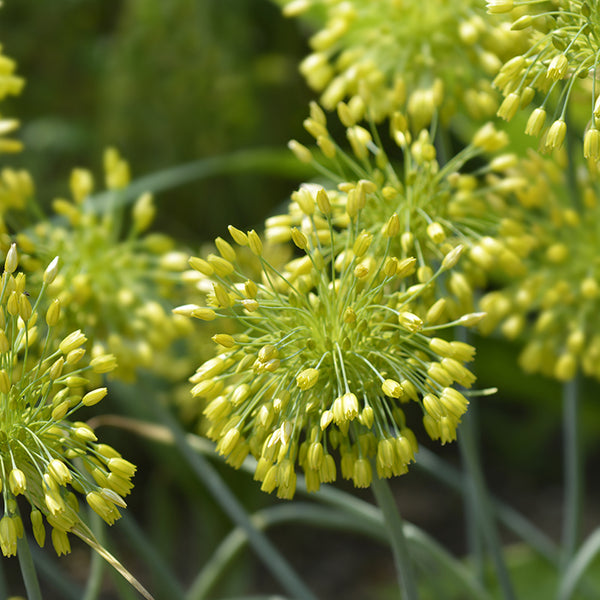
pixel 45 456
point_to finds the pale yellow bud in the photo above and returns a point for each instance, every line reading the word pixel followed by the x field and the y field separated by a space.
pixel 392 388
pixel 436 232
pixel 558 67
pixel 72 341
pixel 238 236
pixel 556 134
pixel 221 266
pixel 359 139
pixel 509 106
pixel 307 378
pixel 495 7
pixel 12 259
pixel 302 153
pixel 59 471
pixel 17 482
pixel 327 146
pixel 471 319
pixel 255 243
pixel 362 243
pixel 224 339
pixel 535 122
pixel 410 321
pixel 323 201
pixel 81 183
pixel 299 239
pixel 225 249
pixel 452 257
pixel 591 144
pixel 104 363
pixel 391 227
pixel 53 313
pixel 51 271
pixel 436 312
pixel 143 212
pixel 200 265
pixel 522 23
pixel 222 296
pixel 305 201
pixel 94 396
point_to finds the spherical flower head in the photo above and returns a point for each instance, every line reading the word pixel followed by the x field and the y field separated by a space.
pixel 561 59
pixel 115 279
pixel 327 350
pixel 46 456
pixel 554 307
pixel 405 195
pixel 388 54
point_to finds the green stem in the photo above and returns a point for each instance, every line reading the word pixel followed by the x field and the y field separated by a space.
pixel 94 582
pixel 32 585
pixel 572 471
pixel 272 559
pixel 360 511
pixel 394 525
pixel 482 505
pixel 575 569
pixel 470 498
pixel 509 517
pixel 167 584
pixel 269 517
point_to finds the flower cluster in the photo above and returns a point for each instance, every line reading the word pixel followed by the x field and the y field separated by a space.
pixel 114 282
pixel 329 352
pixel 555 307
pixel 45 456
pixel 388 54
pixel 10 84
pixel 563 53
pixel 440 205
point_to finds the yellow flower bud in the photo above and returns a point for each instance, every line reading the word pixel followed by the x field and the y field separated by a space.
pixel 302 153
pixel 72 341
pixel 556 134
pixel 17 482
pixel 392 388
pixel 12 259
pixel 94 396
pixel 53 313
pixel 255 243
pixel 307 378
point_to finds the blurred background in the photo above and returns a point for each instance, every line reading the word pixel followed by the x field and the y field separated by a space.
pixel 171 83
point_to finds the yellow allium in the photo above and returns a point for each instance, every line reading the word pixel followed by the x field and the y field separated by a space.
pixel 387 54
pixel 427 205
pixel 45 456
pixel 326 351
pixel 562 58
pixel 10 85
pixel 555 307
pixel 115 278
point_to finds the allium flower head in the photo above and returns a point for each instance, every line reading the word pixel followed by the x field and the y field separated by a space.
pixel 438 205
pixel 115 277
pixel 327 353
pixel 46 456
pixel 10 85
pixel 563 54
pixel 387 53
pixel 555 307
